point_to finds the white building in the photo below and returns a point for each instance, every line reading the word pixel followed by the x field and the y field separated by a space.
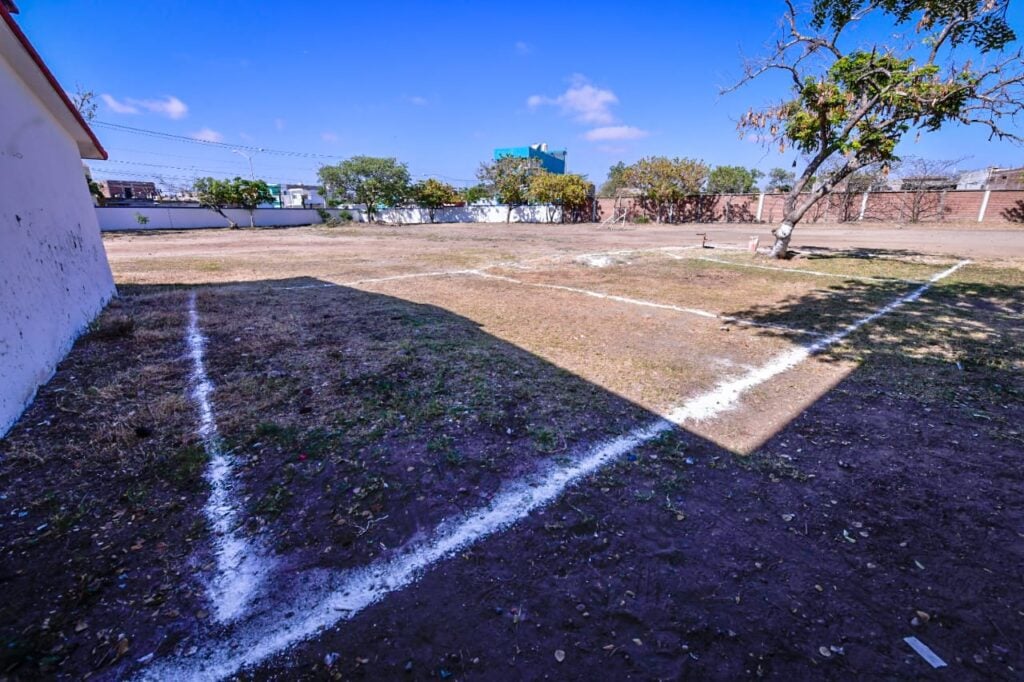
pixel 302 196
pixel 54 276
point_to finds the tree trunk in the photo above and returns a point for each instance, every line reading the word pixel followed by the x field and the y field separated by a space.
pixel 231 223
pixel 508 215
pixel 783 233
pixel 252 219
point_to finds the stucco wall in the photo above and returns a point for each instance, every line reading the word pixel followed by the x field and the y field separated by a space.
pixel 119 218
pixel 54 276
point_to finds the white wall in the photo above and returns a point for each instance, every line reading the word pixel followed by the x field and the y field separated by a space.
pixel 471 214
pixel 118 218
pixel 54 277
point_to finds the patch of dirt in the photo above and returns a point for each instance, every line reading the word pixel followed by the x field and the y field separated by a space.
pixel 881 512
pixel 101 481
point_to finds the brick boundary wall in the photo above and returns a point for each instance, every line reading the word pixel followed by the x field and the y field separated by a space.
pixel 981 207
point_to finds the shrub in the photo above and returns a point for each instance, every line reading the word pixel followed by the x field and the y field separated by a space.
pixel 325 216
pixel 332 221
pixel 641 220
pixel 141 219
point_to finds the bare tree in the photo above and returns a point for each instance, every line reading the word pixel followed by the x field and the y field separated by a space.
pixel 923 184
pixel 854 104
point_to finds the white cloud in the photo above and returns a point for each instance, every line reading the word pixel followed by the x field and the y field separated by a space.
pixel 523 47
pixel 418 101
pixel 582 101
pixel 328 136
pixel 608 133
pixel 169 106
pixel 118 107
pixel 207 135
pixel 279 123
pixel 245 136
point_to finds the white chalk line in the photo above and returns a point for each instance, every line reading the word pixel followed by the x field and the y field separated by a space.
pixel 818 273
pixel 359 589
pixel 502 264
pixel 651 304
pixel 240 566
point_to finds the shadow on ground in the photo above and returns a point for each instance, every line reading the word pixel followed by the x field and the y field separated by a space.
pixel 359 421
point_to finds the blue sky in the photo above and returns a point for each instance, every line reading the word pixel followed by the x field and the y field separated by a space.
pixel 438 85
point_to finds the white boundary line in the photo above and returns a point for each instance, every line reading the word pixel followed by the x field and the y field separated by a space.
pixel 818 273
pixel 650 304
pixel 356 590
pixel 240 568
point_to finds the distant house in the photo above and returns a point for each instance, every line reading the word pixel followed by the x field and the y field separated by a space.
pixel 992 178
pixel 54 276
pixel 1006 178
pixel 296 196
pixel 551 161
pixel 302 196
pixel 927 182
pixel 129 190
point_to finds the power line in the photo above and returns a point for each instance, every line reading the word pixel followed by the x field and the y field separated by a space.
pixel 209 143
pixel 224 145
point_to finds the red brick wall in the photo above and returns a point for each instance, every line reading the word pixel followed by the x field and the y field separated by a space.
pixel 1004 207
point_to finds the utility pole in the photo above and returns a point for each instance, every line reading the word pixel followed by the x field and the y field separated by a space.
pixel 248 157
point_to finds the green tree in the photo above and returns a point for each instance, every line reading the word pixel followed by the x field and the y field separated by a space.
pixel 615 181
pixel 367 180
pixel 473 194
pixel 733 180
pixel 433 194
pixel 661 182
pixel 215 195
pixel 569 192
pixel 509 180
pixel 249 194
pixel 854 101
pixel 780 180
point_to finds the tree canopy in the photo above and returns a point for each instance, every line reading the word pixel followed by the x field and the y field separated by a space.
pixel 615 181
pixel 368 180
pixel 569 191
pixel 216 195
pixel 780 180
pixel 733 180
pixel 660 181
pixel 855 101
pixel 509 178
pixel 432 194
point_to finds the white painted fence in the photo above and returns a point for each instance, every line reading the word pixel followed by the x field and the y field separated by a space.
pixel 120 218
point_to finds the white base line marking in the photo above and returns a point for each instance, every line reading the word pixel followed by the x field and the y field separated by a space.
pixel 650 304
pixel 239 565
pixel 800 270
pixel 358 589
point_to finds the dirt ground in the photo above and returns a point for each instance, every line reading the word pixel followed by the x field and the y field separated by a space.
pixel 373 385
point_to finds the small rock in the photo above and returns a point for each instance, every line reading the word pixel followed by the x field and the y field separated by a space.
pixel 824 651
pixel 559 655
pixel 408 666
pixel 330 659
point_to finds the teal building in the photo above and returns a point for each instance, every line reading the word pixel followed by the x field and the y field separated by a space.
pixel 551 161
